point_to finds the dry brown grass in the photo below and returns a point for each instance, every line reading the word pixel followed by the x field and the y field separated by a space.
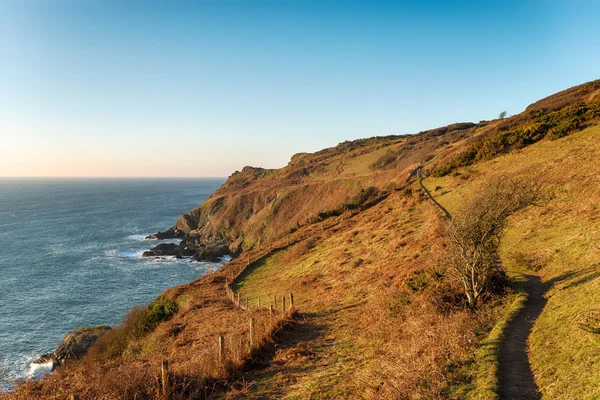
pixel 189 341
pixel 381 318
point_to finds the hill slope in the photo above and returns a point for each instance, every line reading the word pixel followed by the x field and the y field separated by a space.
pixel 379 316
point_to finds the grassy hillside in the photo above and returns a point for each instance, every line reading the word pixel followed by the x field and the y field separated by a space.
pixel 559 242
pixel 349 231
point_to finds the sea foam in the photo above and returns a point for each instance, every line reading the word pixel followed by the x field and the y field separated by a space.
pixel 37 371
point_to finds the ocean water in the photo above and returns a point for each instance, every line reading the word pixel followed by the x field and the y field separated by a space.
pixel 70 256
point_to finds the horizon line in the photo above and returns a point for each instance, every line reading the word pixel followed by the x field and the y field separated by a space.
pixel 109 177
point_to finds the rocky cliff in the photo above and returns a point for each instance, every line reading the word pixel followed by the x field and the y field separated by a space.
pixel 257 206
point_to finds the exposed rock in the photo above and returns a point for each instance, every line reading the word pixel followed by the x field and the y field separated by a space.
pixel 75 345
pixel 211 253
pixel 170 233
pixel 164 249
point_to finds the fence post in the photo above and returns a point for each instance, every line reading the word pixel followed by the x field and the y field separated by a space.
pixel 259 302
pixel 251 332
pixel 274 301
pixel 270 310
pixel 165 377
pixel 283 304
pixel 238 299
pixel 222 348
pixel 291 300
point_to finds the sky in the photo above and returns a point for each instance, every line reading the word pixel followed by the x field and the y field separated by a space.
pixel 203 88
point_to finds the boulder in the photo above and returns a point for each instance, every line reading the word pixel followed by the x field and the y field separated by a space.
pixel 75 345
pixel 211 252
pixel 163 249
pixel 170 233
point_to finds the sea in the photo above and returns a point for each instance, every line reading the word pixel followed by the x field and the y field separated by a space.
pixel 71 256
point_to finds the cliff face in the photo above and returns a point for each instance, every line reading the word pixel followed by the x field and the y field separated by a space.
pixel 375 302
pixel 257 206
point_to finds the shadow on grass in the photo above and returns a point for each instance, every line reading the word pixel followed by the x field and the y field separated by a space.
pixel 573 279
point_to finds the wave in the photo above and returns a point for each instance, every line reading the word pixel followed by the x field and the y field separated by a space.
pixel 125 254
pixel 137 238
pixel 142 238
pixel 37 371
pixel 15 370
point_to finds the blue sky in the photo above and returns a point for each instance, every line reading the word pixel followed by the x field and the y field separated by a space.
pixel 202 88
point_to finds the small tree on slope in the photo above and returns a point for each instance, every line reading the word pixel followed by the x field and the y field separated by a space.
pixel 473 236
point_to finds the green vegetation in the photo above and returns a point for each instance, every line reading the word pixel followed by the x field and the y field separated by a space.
pixel 560 243
pixel 380 315
pixel 478 378
pixel 136 324
pixel 354 202
pixel 553 125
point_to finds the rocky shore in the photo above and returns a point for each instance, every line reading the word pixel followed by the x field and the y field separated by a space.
pixel 74 346
pixel 191 246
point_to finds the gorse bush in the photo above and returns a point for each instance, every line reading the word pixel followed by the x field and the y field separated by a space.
pixel 359 199
pixel 553 125
pixel 417 283
pixel 137 323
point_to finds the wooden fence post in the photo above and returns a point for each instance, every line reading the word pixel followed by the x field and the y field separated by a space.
pixel 291 300
pixel 221 348
pixel 270 310
pixel 238 299
pixel 165 377
pixel 259 302
pixel 251 332
pixel 283 304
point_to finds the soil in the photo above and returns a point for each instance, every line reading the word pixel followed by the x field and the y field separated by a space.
pixel 514 373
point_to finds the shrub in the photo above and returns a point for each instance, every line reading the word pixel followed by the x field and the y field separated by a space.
pixel 359 199
pixel 138 322
pixel 385 160
pixel 473 235
pixel 554 125
pixel 417 283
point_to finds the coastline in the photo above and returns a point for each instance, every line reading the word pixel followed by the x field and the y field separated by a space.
pixel 78 260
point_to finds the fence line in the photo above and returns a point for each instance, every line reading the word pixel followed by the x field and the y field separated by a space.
pixel 235 348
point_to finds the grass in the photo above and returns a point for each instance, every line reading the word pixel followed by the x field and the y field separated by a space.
pixel 480 375
pixel 371 300
pixel 562 240
pixel 379 318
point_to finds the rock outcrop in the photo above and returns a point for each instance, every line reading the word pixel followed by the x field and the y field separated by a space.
pixel 75 345
pixel 170 233
pixel 190 247
pixel 165 249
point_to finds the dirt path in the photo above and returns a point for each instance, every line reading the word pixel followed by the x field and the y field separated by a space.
pixel 514 372
pixel 441 207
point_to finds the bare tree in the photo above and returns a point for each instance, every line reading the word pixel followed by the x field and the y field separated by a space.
pixel 473 235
